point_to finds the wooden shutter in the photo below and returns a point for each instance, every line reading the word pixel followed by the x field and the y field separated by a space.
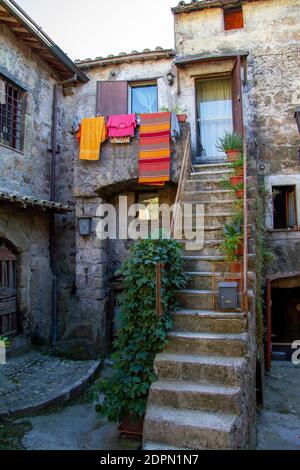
pixel 237 98
pixel 112 98
pixel 233 19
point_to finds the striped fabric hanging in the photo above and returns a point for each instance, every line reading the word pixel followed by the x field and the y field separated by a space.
pixel 155 149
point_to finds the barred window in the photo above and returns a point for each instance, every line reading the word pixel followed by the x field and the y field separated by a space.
pixel 11 115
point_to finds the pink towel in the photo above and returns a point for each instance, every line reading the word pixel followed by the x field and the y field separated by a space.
pixel 121 125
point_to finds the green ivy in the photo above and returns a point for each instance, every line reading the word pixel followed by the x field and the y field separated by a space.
pixel 143 334
pixel 263 256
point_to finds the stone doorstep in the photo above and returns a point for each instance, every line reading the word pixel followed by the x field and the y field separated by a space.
pixel 61 398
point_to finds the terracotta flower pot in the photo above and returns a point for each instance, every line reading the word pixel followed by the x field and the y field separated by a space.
pixel 132 426
pixel 240 194
pixel 182 117
pixel 240 250
pixel 233 155
pixel 236 266
pixel 236 180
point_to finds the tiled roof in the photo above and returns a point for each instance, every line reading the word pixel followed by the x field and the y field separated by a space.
pixel 195 5
pixel 29 201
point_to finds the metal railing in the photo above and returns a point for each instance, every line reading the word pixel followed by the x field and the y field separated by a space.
pixel 245 254
pixel 185 168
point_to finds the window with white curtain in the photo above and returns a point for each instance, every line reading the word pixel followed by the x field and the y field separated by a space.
pixel 214 109
pixel 144 98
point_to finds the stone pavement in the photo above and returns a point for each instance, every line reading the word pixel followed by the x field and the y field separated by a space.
pixel 33 382
pixel 278 425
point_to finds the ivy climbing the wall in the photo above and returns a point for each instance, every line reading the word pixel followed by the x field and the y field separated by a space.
pixel 143 333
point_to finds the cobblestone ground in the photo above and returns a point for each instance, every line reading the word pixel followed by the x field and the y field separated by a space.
pixel 35 378
pixel 278 425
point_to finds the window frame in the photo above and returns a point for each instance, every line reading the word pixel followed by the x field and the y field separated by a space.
pixel 286 187
pixel 21 103
pixel 140 84
pixel 198 117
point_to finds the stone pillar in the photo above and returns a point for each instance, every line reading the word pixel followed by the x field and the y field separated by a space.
pixel 87 332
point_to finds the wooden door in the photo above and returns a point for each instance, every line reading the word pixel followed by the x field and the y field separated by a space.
pixel 8 302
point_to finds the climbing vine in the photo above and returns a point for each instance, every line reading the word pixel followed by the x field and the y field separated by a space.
pixel 263 256
pixel 143 333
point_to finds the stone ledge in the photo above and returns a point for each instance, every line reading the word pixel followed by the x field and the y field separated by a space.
pixel 55 399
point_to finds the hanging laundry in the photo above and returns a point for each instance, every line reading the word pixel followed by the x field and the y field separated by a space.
pixel 122 125
pixel 92 134
pixel 119 140
pixel 2 92
pixel 155 149
pixel 175 127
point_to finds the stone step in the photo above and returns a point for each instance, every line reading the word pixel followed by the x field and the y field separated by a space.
pixel 212 166
pixel 197 299
pixel 199 368
pixel 213 218
pixel 217 344
pixel 203 280
pixel 200 263
pixel 215 207
pixel 209 195
pixel 195 396
pixel 159 446
pixel 190 429
pixel 206 248
pixel 204 185
pixel 222 173
pixel 210 321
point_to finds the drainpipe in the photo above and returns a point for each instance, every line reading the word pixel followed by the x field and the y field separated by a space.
pixel 54 333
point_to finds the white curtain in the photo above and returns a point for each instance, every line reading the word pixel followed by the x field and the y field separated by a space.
pixel 291 209
pixel 2 92
pixel 215 114
pixel 144 100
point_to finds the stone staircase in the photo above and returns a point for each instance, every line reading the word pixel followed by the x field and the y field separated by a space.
pixel 205 395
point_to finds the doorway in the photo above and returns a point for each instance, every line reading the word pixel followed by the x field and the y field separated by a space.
pixel 8 292
pixel 283 316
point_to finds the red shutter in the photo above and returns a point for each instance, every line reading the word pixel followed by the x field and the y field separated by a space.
pixel 112 98
pixel 233 20
pixel 237 98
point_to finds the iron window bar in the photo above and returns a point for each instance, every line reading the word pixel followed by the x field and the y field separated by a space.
pixel 11 116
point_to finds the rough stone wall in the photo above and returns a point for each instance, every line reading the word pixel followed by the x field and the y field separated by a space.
pixel 28 232
pixel 28 173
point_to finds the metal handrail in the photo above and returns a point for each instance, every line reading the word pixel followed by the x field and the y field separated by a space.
pixel 245 255
pixel 182 181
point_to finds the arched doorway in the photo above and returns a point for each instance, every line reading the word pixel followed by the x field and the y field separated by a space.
pixel 283 315
pixel 8 291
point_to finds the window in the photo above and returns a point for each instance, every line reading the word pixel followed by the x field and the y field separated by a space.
pixel 233 19
pixel 143 98
pixel 214 108
pixel 11 115
pixel 151 203
pixel 284 207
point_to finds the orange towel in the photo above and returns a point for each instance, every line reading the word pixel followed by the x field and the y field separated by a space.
pixel 93 133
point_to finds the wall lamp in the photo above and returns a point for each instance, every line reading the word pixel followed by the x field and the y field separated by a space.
pixel 171 78
pixel 84 224
pixel 297 117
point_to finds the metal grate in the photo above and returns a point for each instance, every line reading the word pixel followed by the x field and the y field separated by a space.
pixel 11 115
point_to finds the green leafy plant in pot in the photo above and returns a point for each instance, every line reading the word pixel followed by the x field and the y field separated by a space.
pixel 143 333
pixel 231 144
pixel 233 241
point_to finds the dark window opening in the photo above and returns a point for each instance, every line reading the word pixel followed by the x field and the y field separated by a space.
pixel 284 207
pixel 233 19
pixel 285 315
pixel 151 203
pixel 11 115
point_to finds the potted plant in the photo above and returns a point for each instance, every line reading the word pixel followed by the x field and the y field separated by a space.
pixel 238 166
pixel 235 185
pixel 181 113
pixel 233 240
pixel 232 144
pixel 143 332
